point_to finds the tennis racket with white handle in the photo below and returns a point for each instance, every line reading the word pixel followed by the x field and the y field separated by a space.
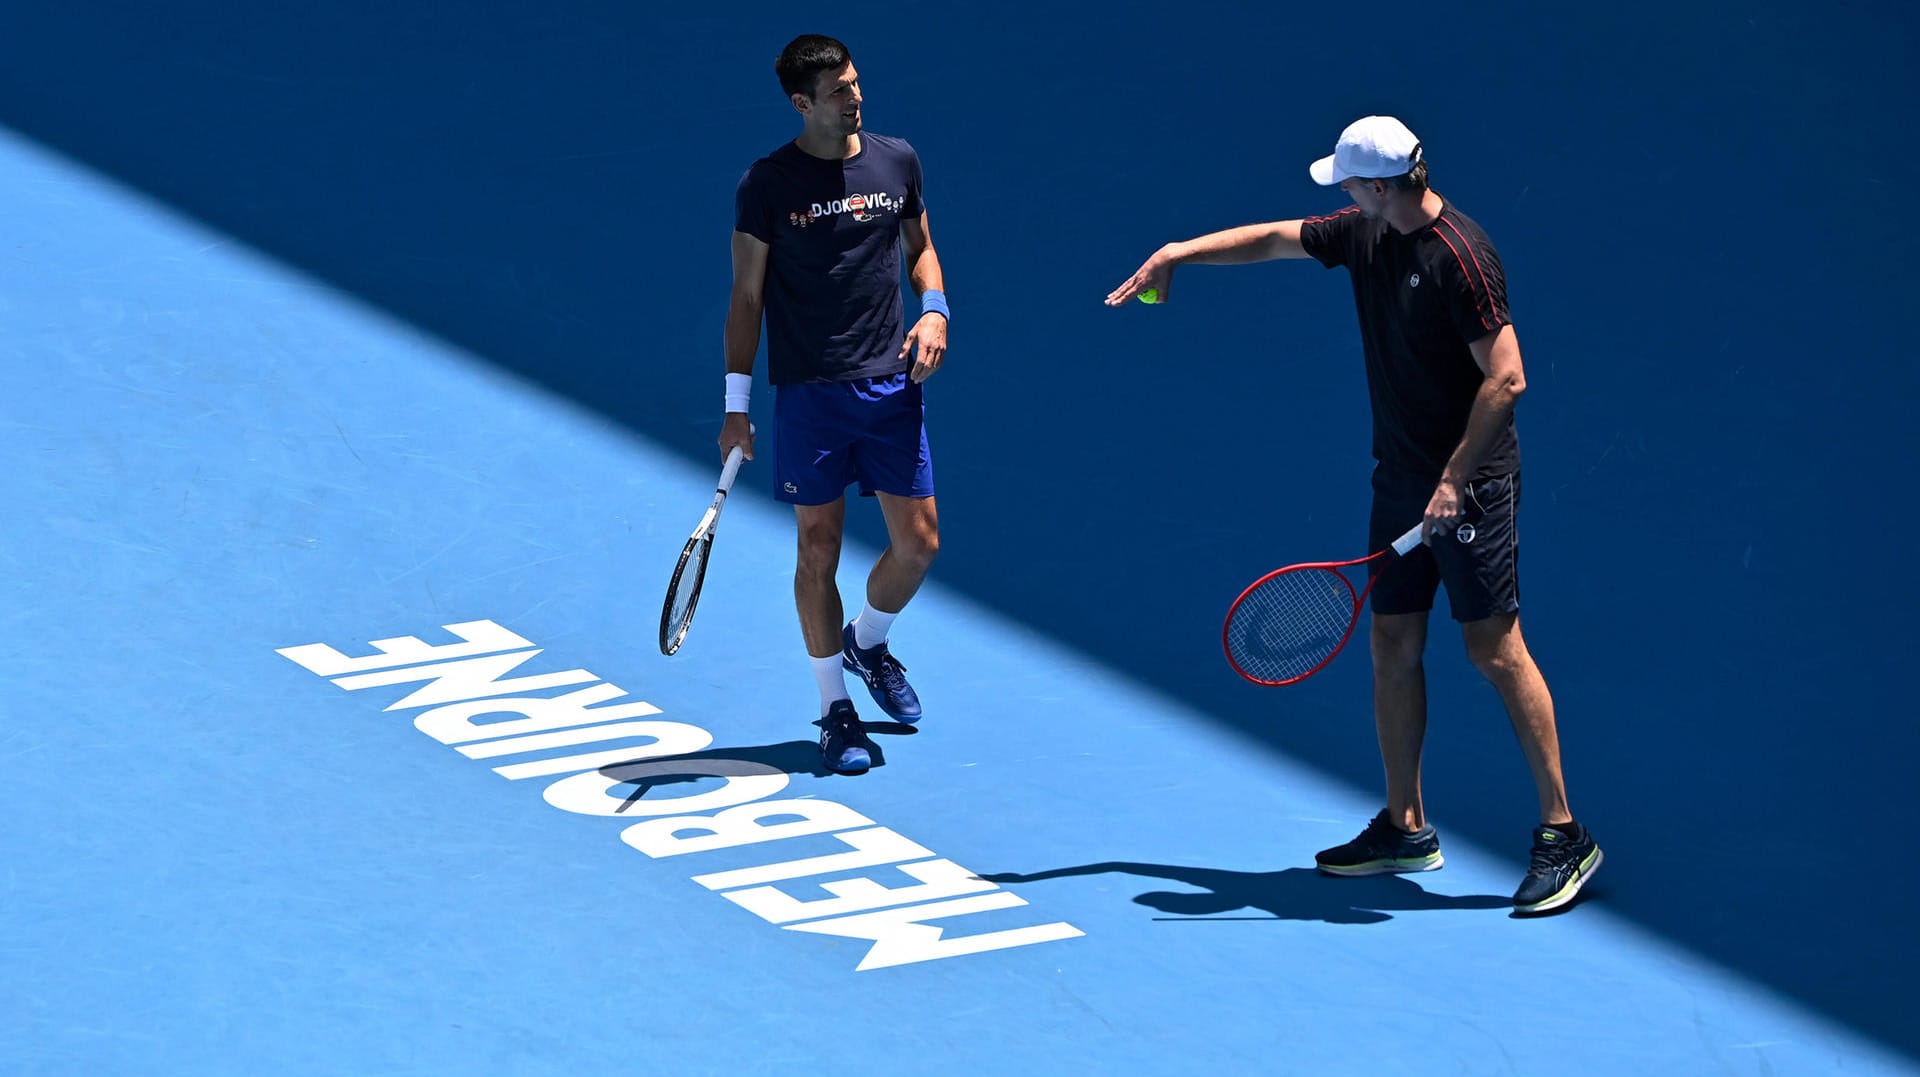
pixel 683 591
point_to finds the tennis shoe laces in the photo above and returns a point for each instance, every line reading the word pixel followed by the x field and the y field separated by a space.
pixel 1560 864
pixel 884 676
pixel 844 747
pixel 1384 849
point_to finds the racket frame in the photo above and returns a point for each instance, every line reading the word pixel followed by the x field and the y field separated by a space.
pixel 1399 548
pixel 673 634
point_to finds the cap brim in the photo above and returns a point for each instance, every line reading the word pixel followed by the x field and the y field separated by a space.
pixel 1323 173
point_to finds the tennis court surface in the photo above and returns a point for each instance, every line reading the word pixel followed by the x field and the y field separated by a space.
pixel 361 375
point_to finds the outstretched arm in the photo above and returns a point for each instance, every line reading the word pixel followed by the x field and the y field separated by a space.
pixel 1234 246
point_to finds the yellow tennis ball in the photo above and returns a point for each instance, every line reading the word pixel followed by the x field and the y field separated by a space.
pixel 1151 295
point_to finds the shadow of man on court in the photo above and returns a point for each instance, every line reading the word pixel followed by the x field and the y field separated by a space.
pixel 793 756
pixel 1288 894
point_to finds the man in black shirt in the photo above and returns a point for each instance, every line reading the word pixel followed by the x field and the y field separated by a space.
pixel 821 225
pixel 1443 375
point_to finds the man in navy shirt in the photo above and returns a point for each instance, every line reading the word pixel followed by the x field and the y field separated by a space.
pixel 1443 374
pixel 818 229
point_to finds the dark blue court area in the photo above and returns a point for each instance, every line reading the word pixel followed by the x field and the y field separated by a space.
pixel 360 372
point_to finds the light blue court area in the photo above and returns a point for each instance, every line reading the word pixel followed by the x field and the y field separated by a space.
pixel 242 836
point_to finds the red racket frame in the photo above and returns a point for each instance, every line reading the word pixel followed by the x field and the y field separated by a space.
pixel 1399 548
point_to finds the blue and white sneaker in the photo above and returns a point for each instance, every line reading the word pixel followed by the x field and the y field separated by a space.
pixel 844 747
pixel 885 677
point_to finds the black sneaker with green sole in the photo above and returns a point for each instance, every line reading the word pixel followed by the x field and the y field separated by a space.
pixel 1383 849
pixel 1561 864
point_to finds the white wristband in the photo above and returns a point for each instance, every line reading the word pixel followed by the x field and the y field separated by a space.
pixel 739 389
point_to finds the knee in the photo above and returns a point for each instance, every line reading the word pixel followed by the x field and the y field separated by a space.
pixel 1499 656
pixel 921 547
pixel 1397 647
pixel 1494 665
pixel 819 555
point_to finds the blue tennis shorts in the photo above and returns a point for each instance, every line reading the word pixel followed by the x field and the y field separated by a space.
pixel 830 434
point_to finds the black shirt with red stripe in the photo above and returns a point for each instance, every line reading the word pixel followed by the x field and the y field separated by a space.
pixel 1422 298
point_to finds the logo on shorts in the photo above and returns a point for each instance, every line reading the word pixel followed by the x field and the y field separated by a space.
pixel 790 488
pixel 1464 532
pixel 1413 281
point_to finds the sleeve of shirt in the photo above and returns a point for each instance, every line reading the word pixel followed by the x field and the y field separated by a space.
pixel 1477 294
pixel 750 214
pixel 913 206
pixel 1325 238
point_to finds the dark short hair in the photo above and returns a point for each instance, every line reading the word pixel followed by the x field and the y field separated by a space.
pixel 803 59
pixel 1414 180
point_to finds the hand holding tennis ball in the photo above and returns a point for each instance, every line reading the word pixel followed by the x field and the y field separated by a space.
pixel 1152 283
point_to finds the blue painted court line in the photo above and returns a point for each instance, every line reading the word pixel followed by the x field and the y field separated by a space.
pixel 221 862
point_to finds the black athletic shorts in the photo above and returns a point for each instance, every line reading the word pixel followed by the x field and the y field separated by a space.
pixel 1479 562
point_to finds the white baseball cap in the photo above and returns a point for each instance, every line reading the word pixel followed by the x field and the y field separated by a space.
pixel 1372 147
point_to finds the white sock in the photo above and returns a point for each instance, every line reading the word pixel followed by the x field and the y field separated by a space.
pixel 870 630
pixel 833 681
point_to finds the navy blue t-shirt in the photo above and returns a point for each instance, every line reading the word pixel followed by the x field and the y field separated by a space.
pixel 1422 299
pixel 833 304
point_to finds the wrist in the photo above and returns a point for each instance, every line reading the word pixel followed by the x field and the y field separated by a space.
pixel 739 391
pixel 934 301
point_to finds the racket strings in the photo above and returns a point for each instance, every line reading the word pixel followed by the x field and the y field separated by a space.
pixel 1292 624
pixel 685 593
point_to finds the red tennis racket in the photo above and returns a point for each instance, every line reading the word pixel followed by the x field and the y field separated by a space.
pixel 1287 625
